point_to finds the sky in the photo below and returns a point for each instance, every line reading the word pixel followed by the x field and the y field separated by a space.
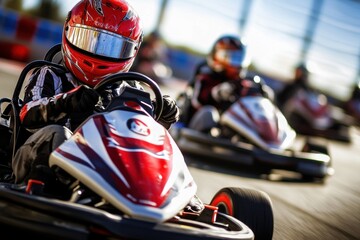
pixel 274 31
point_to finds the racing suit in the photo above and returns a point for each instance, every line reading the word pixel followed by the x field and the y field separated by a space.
pixel 290 90
pixel 52 108
pixel 213 93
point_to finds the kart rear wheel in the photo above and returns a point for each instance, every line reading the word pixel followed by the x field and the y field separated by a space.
pixel 252 207
pixel 315 145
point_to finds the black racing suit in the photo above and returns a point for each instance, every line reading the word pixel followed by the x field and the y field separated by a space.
pixel 289 91
pixel 40 114
pixel 205 79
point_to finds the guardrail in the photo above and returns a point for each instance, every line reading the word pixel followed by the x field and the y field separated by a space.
pixel 24 37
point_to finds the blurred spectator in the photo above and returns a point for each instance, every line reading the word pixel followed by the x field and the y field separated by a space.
pixel 152 59
pixel 301 81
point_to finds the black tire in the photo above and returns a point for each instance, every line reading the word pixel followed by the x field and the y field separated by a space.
pixel 315 146
pixel 252 207
pixel 312 179
pixel 342 133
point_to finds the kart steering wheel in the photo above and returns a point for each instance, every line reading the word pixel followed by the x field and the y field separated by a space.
pixel 135 76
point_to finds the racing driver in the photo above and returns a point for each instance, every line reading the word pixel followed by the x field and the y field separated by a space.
pixel 100 37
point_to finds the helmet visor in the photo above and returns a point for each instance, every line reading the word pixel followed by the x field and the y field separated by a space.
pixel 232 58
pixel 101 42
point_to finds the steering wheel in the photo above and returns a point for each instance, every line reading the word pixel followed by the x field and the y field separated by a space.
pixel 135 76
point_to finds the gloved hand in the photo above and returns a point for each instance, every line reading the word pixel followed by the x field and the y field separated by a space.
pixel 170 113
pixel 222 92
pixel 80 99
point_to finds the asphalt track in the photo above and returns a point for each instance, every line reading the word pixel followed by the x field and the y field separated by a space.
pixel 302 210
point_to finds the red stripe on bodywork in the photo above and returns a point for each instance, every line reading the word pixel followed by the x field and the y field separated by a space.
pixel 145 166
pixel 238 117
pixel 267 131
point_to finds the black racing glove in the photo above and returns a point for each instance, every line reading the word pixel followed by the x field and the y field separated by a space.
pixel 80 99
pixel 170 113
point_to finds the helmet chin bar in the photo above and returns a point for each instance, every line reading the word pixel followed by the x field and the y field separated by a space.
pixel 74 64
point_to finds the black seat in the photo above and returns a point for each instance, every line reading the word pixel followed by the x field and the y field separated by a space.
pixel 19 133
pixel 53 53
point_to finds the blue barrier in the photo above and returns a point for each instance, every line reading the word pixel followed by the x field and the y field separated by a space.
pixel 183 63
pixel 8 22
pixel 48 32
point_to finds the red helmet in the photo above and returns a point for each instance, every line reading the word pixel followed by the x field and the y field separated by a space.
pixel 228 55
pixel 100 37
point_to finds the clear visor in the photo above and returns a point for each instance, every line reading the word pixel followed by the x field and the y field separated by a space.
pixel 231 57
pixel 101 42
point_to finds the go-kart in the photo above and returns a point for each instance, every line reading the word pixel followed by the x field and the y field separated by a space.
pixel 250 131
pixel 310 113
pixel 120 176
pixel 352 111
pixel 351 107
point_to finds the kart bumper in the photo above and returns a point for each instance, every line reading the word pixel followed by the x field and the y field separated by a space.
pixel 55 219
pixel 339 130
pixel 317 165
pixel 338 133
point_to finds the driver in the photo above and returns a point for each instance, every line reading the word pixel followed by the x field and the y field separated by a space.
pixel 215 81
pixel 301 81
pixel 99 38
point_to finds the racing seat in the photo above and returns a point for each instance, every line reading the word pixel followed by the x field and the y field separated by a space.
pixel 52 54
pixel 18 133
pixel 5 135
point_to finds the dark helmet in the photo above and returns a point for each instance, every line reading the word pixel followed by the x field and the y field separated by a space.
pixel 154 35
pixel 228 55
pixel 301 72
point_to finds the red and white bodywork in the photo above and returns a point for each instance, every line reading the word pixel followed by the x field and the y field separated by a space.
pixel 260 121
pixel 312 106
pixel 131 161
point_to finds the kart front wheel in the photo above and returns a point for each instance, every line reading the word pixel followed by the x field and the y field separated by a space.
pixel 252 207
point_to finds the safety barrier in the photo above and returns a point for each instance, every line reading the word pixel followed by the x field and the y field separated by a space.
pixel 24 37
